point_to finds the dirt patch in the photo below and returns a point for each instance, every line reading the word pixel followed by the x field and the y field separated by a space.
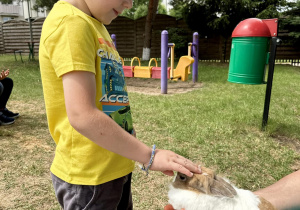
pixel 153 86
pixel 290 142
pixel 294 144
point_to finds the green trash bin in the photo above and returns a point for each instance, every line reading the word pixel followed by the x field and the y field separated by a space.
pixel 249 52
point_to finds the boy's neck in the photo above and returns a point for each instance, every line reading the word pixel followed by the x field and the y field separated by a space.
pixel 81 5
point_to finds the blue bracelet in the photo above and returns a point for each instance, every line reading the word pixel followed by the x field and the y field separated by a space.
pixel 150 162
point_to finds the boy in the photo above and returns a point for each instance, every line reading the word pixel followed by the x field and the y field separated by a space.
pixel 88 109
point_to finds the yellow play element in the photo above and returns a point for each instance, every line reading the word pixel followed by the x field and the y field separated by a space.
pixel 182 68
pixel 143 71
pixel 133 67
pixel 172 48
pixel 190 53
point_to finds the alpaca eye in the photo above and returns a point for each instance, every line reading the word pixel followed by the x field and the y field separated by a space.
pixel 182 178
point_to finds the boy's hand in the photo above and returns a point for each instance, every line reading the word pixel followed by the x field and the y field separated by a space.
pixel 169 207
pixel 167 161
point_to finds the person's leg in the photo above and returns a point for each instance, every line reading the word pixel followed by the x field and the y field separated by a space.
pixel 1 88
pixel 7 85
pixel 113 195
pixel 4 120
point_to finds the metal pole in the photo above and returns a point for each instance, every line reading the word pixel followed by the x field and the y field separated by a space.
pixel 275 41
pixel 195 56
pixel 29 19
pixel 171 54
pixel 164 62
pixel 30 44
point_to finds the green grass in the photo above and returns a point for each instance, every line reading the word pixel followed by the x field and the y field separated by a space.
pixel 218 125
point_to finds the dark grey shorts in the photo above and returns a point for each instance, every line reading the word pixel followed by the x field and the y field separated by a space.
pixel 113 195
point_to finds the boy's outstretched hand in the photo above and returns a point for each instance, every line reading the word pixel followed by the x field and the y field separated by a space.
pixel 169 207
pixel 167 162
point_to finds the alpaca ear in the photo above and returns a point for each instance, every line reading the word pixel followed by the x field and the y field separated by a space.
pixel 220 187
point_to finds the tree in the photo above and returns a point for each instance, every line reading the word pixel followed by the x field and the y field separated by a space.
pixel 152 8
pixel 38 3
pixel 221 16
pixel 6 1
pixel 45 3
pixel 177 11
pixel 291 22
pixel 131 12
pixel 140 9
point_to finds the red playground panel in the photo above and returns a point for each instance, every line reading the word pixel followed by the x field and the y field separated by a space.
pixel 156 72
pixel 127 71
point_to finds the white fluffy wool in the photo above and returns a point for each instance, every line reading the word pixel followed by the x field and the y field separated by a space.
pixel 244 200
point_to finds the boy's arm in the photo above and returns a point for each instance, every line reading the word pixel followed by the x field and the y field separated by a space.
pixel 285 193
pixel 80 93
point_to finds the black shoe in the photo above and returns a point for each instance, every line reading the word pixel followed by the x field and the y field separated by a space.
pixel 10 114
pixel 4 120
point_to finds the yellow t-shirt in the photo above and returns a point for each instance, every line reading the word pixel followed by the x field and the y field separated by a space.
pixel 72 41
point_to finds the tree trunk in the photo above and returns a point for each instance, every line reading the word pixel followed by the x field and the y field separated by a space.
pixel 152 8
pixel 225 49
pixel 222 48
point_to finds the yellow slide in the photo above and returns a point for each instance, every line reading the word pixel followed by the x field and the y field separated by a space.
pixel 182 68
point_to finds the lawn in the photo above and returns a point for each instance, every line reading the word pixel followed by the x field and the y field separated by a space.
pixel 218 125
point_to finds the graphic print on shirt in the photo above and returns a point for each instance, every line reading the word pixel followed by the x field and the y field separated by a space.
pixel 115 101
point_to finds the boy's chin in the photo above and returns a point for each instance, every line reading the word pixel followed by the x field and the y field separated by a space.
pixel 106 21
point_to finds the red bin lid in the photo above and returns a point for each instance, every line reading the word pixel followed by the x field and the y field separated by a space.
pixel 252 27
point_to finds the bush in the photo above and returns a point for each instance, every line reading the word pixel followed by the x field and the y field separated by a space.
pixel 180 39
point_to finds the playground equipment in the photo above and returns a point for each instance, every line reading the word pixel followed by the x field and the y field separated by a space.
pixel 249 55
pixel 156 72
pixel 183 68
pixel 128 70
pixel 181 71
pixel 164 72
pixel 184 62
pixel 143 71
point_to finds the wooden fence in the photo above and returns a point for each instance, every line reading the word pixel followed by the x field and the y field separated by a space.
pixel 14 35
pixel 130 34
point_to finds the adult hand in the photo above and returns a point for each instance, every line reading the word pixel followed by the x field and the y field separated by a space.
pixel 169 207
pixel 4 74
pixel 167 161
